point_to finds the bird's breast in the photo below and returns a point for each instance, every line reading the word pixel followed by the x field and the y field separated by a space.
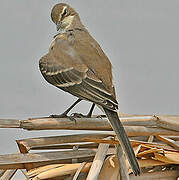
pixel 52 44
pixel 59 41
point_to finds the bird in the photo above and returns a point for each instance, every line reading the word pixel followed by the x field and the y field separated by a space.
pixel 77 64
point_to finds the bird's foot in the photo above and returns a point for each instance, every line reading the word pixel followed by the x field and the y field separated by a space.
pixel 79 115
pixel 58 115
pixel 101 116
pixel 63 115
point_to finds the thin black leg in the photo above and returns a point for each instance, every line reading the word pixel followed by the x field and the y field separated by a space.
pixel 79 115
pixel 64 114
pixel 91 111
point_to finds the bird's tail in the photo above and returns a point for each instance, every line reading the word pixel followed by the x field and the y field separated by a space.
pixel 125 143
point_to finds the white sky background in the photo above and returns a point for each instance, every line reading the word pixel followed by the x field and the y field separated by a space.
pixel 140 38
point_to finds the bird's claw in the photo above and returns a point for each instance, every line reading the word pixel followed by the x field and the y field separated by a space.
pixel 58 116
pixel 101 116
pixel 71 118
pixel 79 115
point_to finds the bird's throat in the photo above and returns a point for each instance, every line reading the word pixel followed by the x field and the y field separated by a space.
pixel 66 24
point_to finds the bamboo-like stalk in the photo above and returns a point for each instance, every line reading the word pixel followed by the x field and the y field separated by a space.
pixel 38 142
pixel 84 123
pixel 35 143
pixel 164 128
pixel 168 122
pixel 67 146
pixel 15 160
pixel 98 161
pixel 100 124
pixel 2 172
pixel 164 121
pixel 151 162
pixel 44 163
pixel 75 177
pixel 168 141
pixel 150 139
pixel 133 142
pixel 43 143
pixel 65 169
pixel 24 150
pixel 9 123
pixel 165 175
pixel 144 131
pixel 176 138
pixel 8 174
pixel 36 171
pixel 63 123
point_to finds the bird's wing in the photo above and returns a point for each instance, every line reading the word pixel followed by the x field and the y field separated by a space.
pixel 94 58
pixel 70 74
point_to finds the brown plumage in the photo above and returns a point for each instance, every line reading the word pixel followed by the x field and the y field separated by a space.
pixel 76 64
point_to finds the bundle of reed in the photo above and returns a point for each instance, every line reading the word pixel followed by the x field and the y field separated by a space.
pixel 93 155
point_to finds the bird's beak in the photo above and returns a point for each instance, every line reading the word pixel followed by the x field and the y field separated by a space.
pixel 58 25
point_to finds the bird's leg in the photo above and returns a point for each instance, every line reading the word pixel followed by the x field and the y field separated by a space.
pixel 79 115
pixel 91 111
pixel 64 114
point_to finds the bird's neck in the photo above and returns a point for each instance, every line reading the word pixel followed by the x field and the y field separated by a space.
pixel 70 30
pixel 75 24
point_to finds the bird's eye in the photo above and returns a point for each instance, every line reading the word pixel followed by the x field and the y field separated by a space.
pixel 65 12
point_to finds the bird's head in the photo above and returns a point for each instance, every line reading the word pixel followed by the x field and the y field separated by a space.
pixel 65 17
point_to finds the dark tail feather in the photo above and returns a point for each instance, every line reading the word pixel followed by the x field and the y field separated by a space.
pixel 125 143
